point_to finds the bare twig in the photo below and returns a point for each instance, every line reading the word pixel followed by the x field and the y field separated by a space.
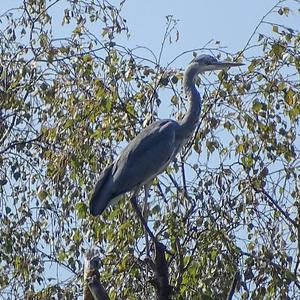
pixel 16 143
pixel 274 203
pixel 258 25
pixel 8 130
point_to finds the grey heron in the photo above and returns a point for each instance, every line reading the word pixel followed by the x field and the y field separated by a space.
pixel 150 152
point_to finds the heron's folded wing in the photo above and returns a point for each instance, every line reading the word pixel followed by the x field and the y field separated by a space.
pixel 145 156
pixel 102 192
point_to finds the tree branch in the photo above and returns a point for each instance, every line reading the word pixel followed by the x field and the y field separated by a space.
pixel 272 202
pixel 16 143
pixel 96 289
pixel 161 280
pixel 233 285
pixel 93 289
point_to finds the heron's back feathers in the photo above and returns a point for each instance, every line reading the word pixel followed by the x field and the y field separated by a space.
pixel 145 156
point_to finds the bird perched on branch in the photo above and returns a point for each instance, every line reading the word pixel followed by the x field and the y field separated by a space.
pixel 151 151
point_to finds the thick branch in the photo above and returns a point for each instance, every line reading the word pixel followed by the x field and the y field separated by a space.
pixel 93 289
pixel 161 280
pixel 96 289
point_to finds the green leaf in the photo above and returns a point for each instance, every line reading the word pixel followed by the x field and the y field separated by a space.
pixel 275 28
pixel 294 113
pixel 247 161
pixel 213 255
pixel 81 210
pixel 289 97
pixel 42 193
pixel 239 148
pixel 86 58
pixel 193 269
pixel 61 256
pixel 278 50
pixel 76 235
pixel 256 106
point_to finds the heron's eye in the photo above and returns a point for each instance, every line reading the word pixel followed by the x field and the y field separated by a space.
pixel 207 62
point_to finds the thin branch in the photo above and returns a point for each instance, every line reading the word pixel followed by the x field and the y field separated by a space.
pixel 274 203
pixel 298 234
pixel 262 20
pixel 8 130
pixel 286 215
pixel 13 144
pixel 184 178
pixel 145 214
pixel 180 264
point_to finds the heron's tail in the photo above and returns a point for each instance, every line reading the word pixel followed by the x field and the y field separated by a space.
pixel 102 193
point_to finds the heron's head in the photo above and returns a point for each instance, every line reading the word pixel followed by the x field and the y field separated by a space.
pixel 204 63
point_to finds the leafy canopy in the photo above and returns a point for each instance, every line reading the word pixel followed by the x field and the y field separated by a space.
pixel 227 209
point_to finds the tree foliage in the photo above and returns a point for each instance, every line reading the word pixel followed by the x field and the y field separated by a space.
pixel 227 209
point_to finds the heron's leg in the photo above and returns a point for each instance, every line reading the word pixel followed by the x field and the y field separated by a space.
pixel 138 211
pixel 159 264
pixel 147 243
pixel 145 214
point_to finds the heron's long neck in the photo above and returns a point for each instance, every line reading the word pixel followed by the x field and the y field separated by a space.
pixel 191 118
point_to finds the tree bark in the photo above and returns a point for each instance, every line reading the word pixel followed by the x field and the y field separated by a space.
pixel 164 290
pixel 93 289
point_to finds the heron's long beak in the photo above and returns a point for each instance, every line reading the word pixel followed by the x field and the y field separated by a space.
pixel 224 65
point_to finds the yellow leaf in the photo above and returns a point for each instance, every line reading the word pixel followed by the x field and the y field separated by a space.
pixel 275 28
pixel 239 148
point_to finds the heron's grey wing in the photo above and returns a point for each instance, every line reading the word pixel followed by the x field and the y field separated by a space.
pixel 145 156
pixel 102 192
